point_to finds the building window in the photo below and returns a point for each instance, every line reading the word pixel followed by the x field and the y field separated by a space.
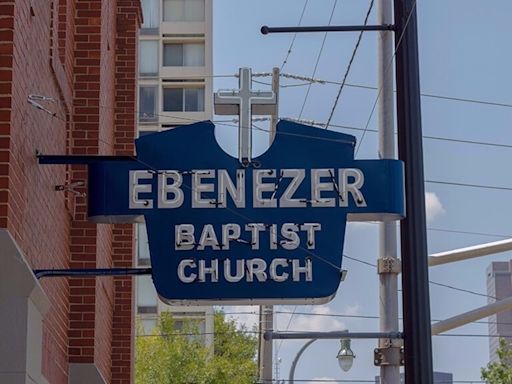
pixel 147 103
pixel 148 326
pixel 150 13
pixel 183 10
pixel 148 58
pixel 183 55
pixel 143 258
pixel 183 99
pixel 147 301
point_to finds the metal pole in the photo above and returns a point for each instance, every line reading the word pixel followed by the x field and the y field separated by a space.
pixel 267 311
pixel 331 335
pixel 388 252
pixel 291 376
pixel 416 301
pixel 275 117
pixel 265 30
pixel 265 345
pixel 471 316
pixel 470 252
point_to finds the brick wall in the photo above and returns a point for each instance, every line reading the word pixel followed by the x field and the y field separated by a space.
pixel 128 22
pixel 69 50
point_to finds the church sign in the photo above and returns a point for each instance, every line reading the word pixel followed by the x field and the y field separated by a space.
pixel 267 231
pixel 243 230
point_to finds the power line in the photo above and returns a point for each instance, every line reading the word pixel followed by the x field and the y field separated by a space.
pixel 349 66
pixel 500 188
pixel 430 281
pixel 285 61
pixel 469 232
pixel 388 66
pixel 461 289
pixel 318 58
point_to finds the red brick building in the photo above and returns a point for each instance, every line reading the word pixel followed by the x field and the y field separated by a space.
pixel 80 55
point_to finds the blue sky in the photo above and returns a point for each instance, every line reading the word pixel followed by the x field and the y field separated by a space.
pixel 464 53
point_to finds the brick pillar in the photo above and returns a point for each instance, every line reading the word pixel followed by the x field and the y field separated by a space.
pixel 92 299
pixel 6 59
pixel 128 22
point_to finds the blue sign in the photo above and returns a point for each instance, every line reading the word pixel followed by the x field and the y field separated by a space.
pixel 269 232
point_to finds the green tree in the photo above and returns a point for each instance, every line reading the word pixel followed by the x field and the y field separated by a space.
pixel 178 355
pixel 500 372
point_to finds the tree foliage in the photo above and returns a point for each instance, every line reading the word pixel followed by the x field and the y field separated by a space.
pixel 179 356
pixel 500 372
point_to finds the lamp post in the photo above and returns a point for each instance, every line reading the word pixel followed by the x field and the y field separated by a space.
pixel 345 357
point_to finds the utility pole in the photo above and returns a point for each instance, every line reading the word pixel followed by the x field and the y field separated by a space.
pixel 276 72
pixel 265 346
pixel 267 311
pixel 413 238
pixel 388 263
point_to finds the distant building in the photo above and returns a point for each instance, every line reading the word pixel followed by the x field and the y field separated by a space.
pixel 499 285
pixel 175 87
pixel 439 378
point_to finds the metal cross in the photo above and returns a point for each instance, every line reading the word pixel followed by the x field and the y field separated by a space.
pixel 245 102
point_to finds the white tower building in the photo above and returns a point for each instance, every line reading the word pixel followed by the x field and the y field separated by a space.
pixel 175 88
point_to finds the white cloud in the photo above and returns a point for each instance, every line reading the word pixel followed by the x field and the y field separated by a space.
pixel 433 206
pixel 244 315
pixel 319 319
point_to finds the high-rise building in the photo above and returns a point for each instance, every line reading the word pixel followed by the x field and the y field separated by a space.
pixel 499 286
pixel 175 87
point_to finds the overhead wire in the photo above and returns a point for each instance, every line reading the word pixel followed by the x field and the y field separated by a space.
pixel 386 70
pixel 285 61
pixel 349 66
pixel 430 281
pixel 318 57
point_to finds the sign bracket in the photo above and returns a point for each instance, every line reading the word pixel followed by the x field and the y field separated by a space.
pixel 91 272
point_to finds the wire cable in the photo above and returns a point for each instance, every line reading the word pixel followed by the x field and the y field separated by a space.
pixel 318 58
pixel 285 61
pixel 386 70
pixel 349 66
pixel 493 187
pixel 430 281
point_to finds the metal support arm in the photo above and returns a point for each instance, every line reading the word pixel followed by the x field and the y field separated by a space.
pixel 330 28
pixel 332 335
pixel 40 273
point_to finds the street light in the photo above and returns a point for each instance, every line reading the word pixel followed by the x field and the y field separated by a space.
pixel 345 357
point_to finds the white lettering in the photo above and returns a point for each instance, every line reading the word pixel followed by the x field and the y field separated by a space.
pixel 226 186
pixel 255 229
pixel 135 189
pixel 259 187
pixel 273 270
pixel 289 232
pixel 184 278
pixel 229 232
pixel 311 228
pixel 256 267
pixel 213 270
pixel 164 189
pixel 346 187
pixel 307 270
pixel 317 187
pixel 198 188
pixel 287 200
pixel 184 235
pixel 239 274
pixel 208 238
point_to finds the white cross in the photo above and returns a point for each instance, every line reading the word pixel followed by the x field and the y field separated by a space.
pixel 241 102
